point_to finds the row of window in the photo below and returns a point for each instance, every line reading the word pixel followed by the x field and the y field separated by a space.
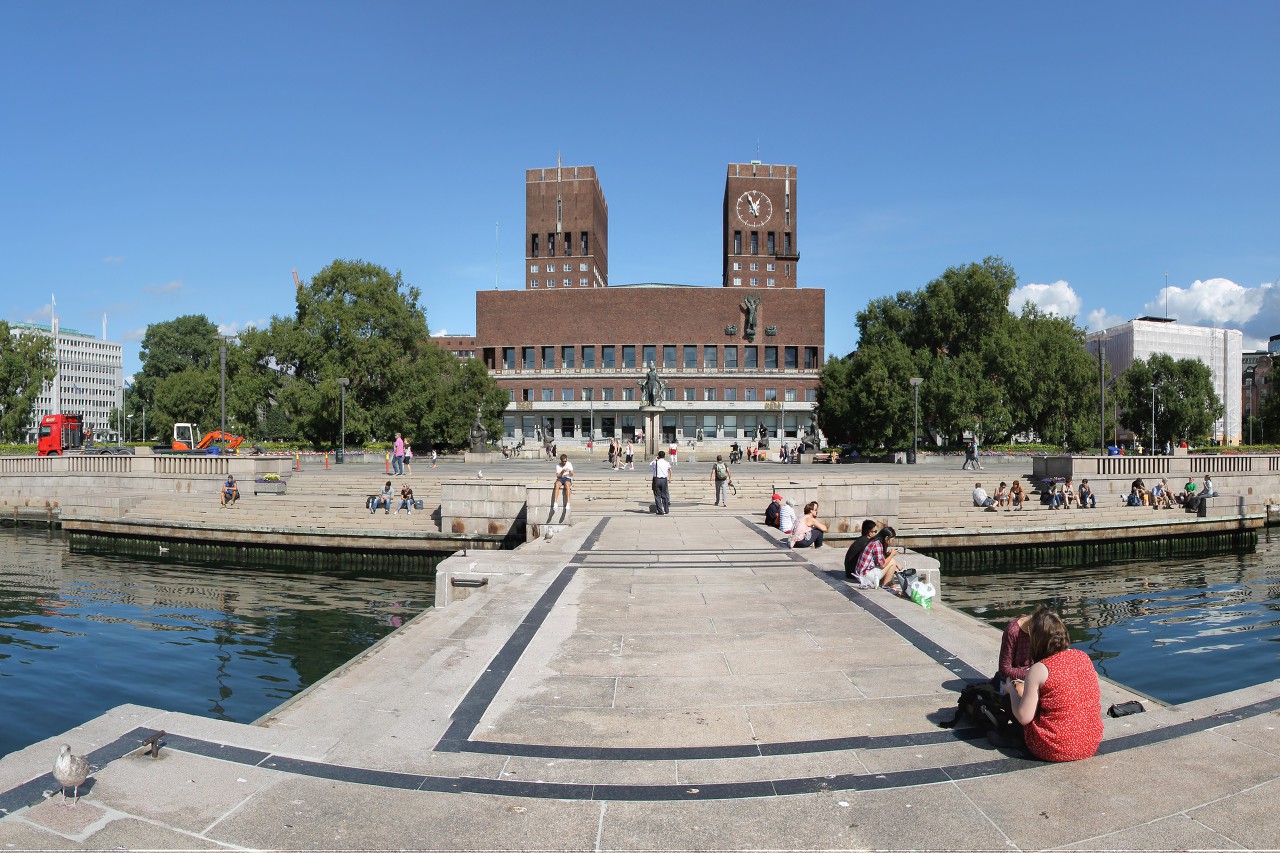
pixel 551 282
pixel 755 282
pixel 566 243
pixel 626 427
pixel 771 246
pixel 755 266
pixel 688 394
pixel 686 355
pixel 566 267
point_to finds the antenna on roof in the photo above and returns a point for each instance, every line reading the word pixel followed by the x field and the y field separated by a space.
pixel 104 326
pixel 495 255
pixel 1166 295
pixel 559 165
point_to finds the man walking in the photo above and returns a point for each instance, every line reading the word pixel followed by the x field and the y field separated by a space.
pixel 397 456
pixel 721 477
pixel 661 470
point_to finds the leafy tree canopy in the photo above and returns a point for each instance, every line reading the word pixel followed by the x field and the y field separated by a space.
pixel 984 369
pixel 26 365
pixel 1185 403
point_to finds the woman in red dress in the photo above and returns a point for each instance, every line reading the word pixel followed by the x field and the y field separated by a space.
pixel 1060 704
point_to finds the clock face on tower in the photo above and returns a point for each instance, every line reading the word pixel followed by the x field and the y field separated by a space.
pixel 754 208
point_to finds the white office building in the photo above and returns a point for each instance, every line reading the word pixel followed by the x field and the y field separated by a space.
pixel 1220 349
pixel 89 382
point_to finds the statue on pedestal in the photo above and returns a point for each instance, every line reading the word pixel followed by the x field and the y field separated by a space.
pixel 810 435
pixel 762 437
pixel 479 435
pixel 651 387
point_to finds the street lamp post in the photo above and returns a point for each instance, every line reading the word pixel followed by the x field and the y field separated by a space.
pixel 222 366
pixel 342 423
pixel 1251 410
pixel 916 382
pixel 128 432
pixel 1153 419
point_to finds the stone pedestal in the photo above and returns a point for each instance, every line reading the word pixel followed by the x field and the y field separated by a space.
pixel 652 430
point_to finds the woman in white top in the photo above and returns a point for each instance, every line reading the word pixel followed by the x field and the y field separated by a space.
pixel 564 480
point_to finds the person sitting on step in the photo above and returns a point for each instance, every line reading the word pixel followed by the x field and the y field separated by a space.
pixel 1017 496
pixel 381 499
pixel 230 492
pixel 406 499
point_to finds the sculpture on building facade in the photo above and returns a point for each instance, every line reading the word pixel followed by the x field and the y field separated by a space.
pixel 752 306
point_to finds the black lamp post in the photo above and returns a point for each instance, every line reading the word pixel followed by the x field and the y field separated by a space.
pixel 916 382
pixel 342 448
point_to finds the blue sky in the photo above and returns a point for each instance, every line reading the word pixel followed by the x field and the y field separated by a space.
pixel 166 159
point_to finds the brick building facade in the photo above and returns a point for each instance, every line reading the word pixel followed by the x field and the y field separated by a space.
pixel 735 358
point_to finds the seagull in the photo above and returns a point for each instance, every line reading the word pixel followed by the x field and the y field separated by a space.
pixel 164 550
pixel 70 770
pixel 479 475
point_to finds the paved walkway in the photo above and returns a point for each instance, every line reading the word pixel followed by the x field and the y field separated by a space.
pixel 643 683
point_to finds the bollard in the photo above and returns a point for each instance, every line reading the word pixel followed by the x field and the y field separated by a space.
pixel 326 462
pixel 297 462
pixel 388 463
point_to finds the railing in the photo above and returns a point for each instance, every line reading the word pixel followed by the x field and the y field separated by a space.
pixel 100 464
pixel 26 464
pixel 1223 464
pixel 190 465
pixel 1132 465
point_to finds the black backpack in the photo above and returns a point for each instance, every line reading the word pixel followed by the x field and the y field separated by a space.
pixel 982 705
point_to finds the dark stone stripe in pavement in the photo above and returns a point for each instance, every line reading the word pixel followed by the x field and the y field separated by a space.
pixel 836 581
pixel 221 751
pixel 473 706
pixel 31 792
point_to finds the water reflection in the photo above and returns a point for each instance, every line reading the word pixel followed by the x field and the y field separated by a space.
pixel 1175 631
pixel 81 633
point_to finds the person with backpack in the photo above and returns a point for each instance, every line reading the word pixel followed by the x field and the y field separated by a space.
pixel 722 478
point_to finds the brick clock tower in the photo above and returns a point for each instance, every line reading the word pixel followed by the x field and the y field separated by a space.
pixel 760 248
pixel 566 229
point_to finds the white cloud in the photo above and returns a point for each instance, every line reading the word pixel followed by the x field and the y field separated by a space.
pixel 440 334
pixel 1215 302
pixel 1098 319
pixel 1057 298
pixel 237 328
pixel 167 287
pixel 136 334
pixel 42 316
pixel 113 259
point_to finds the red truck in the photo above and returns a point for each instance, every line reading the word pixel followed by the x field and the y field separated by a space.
pixel 61 434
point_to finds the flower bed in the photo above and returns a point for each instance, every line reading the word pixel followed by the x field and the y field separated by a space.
pixel 269 487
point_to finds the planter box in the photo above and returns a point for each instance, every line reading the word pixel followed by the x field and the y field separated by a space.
pixel 276 488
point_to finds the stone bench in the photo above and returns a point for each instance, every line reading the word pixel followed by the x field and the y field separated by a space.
pixel 1220 505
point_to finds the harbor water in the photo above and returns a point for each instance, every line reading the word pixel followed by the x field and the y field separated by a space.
pixel 83 633
pixel 1173 629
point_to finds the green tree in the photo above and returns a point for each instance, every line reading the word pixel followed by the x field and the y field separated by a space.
pixel 985 370
pixel 1053 380
pixel 179 380
pixel 357 320
pixel 1185 403
pixel 26 366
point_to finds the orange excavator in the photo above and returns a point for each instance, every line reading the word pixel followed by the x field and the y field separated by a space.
pixel 187 439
